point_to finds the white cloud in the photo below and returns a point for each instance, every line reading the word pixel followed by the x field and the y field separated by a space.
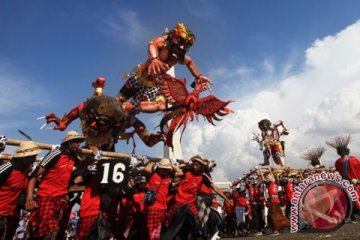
pixel 317 103
pixel 17 92
pixel 126 25
pixel 22 100
pixel 19 97
pixel 240 72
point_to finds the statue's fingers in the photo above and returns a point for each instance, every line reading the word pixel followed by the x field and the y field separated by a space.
pixel 151 70
pixel 164 67
pixel 158 70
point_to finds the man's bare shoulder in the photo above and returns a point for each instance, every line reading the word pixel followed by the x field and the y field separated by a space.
pixel 158 40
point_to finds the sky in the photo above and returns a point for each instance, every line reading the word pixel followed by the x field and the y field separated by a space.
pixel 298 61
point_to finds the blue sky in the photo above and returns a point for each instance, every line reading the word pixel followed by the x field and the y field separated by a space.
pixel 254 51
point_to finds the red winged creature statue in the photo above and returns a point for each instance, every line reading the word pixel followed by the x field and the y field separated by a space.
pixel 187 106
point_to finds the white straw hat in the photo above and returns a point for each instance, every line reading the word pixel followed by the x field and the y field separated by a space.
pixel 164 164
pixel 26 149
pixel 198 158
pixel 71 135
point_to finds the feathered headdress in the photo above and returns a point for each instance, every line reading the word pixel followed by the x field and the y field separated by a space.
pixel 313 155
pixel 340 143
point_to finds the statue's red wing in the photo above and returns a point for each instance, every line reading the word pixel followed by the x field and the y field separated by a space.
pixel 211 107
pixel 174 89
pixel 180 119
pixel 186 105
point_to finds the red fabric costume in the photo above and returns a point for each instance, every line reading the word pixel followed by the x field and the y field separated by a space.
pixel 10 189
pixel 277 220
pixel 240 199
pixel 138 219
pixel 46 217
pixel 161 185
pixel 229 207
pixel 52 197
pixel 273 193
pixel 353 170
pixel 89 211
pixel 289 191
pixel 55 181
pixel 156 212
pixel 187 191
pixel 255 194
pixel 12 182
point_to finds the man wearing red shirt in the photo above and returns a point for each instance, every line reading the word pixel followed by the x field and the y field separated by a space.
pixel 348 166
pixel 160 182
pixel 89 210
pixel 229 210
pixel 97 215
pixel 277 220
pixel 52 196
pixel 136 226
pixel 289 192
pixel 13 180
pixel 205 200
pixel 185 210
pixel 256 201
pixel 241 202
pixel 350 172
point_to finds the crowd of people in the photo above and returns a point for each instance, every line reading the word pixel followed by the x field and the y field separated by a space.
pixel 168 199
pixel 260 202
pixel 161 198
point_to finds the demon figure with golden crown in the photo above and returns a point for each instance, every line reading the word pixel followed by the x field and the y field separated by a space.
pixel 149 88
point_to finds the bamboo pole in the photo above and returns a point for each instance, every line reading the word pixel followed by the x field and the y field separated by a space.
pixel 47 146
pixel 6 156
pixel 76 188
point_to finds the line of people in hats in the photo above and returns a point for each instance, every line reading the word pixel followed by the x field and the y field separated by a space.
pixel 163 199
pixel 261 200
pixel 256 206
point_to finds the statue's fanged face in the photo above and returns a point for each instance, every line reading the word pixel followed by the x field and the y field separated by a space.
pixel 181 40
pixel 102 120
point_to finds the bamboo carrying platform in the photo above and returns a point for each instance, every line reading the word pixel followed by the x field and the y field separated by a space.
pixel 47 146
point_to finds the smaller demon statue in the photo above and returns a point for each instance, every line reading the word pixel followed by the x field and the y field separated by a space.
pixel 270 143
pixel 103 120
